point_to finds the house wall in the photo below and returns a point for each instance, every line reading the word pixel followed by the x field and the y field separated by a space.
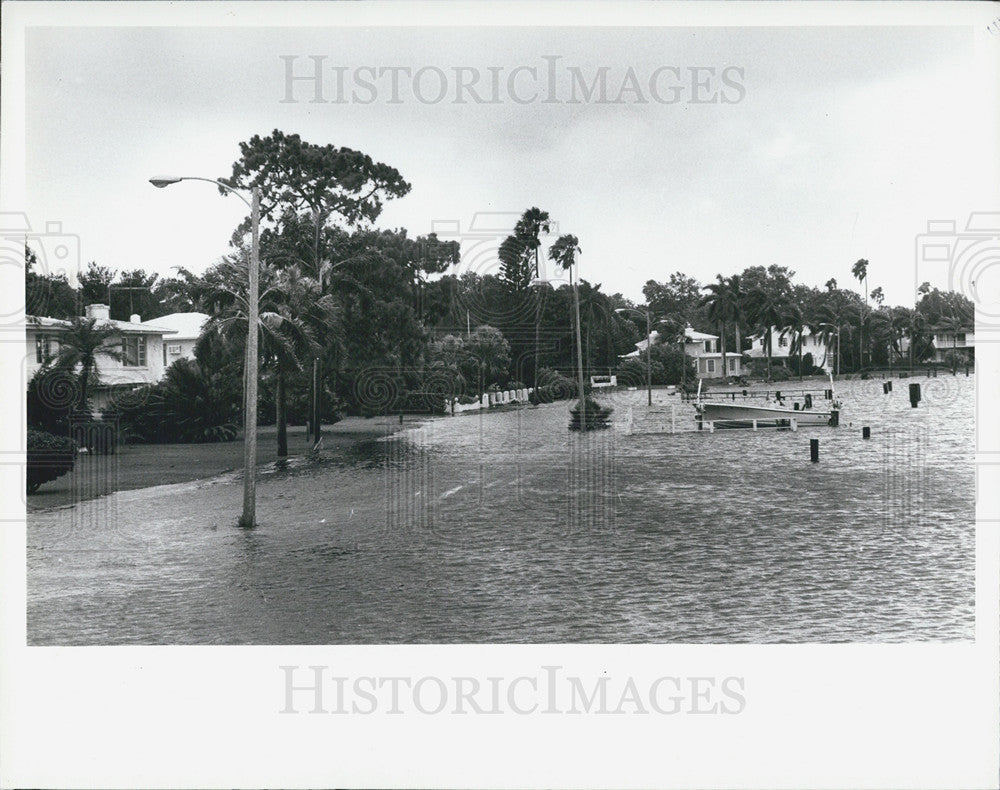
pixel 781 348
pixel 110 371
pixel 710 367
pixel 186 349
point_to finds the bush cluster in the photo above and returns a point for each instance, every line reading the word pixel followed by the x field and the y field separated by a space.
pixel 552 386
pixel 187 406
pixel 48 457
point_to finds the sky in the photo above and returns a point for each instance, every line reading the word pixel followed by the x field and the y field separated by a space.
pixel 823 144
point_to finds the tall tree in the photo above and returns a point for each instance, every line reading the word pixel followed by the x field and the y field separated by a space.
pixel 860 272
pixel 294 175
pixel 767 310
pixel 517 253
pixel 723 306
pixel 94 284
pixel 132 294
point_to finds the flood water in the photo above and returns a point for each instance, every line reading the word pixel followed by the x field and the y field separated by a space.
pixel 507 527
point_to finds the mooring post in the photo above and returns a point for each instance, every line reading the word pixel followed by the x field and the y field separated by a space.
pixel 914 395
pixel 795 425
pixel 673 418
pixel 866 432
pixel 755 425
pixel 814 450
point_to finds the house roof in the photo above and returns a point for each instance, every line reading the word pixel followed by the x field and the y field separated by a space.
pixel 185 326
pixel 35 321
pixel 690 334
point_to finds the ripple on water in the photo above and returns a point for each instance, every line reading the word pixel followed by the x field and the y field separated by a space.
pixel 507 527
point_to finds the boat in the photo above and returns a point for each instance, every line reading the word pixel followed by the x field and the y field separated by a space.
pixel 740 410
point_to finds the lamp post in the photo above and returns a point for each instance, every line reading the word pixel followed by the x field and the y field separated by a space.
pixel 579 352
pixel 649 349
pixel 249 517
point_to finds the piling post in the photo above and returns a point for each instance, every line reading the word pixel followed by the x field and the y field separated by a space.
pixel 755 425
pixel 795 425
pixel 814 450
pixel 914 395
pixel 866 432
pixel 673 418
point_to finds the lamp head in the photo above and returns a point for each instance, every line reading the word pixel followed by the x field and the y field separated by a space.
pixel 163 181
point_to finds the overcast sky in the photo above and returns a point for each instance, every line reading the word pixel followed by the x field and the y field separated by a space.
pixel 824 145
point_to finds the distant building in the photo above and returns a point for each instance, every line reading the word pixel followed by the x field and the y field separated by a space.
pixel 140 347
pixel 186 329
pixel 703 349
pixel 963 342
pixel 781 348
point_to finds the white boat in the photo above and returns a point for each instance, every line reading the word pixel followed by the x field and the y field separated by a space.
pixel 777 413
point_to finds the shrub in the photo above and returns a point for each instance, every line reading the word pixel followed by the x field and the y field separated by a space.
pixel 553 386
pixel 48 457
pixel 665 368
pixel 597 416
pixel 186 407
pixel 52 395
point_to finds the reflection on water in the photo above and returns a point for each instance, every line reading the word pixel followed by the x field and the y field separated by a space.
pixel 507 527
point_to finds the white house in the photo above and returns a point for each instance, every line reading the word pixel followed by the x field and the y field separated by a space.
pixel 140 347
pixel 781 347
pixel 963 342
pixel 185 329
pixel 703 349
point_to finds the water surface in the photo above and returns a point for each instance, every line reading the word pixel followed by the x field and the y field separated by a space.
pixel 507 527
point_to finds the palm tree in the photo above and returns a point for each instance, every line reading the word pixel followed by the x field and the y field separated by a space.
pixel 80 346
pixel 723 307
pixel 794 324
pixel 528 230
pixel 299 313
pixel 737 298
pixel 860 272
pixel 290 308
pixel 766 310
pixel 951 323
pixel 564 252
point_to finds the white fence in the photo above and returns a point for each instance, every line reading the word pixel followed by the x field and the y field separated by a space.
pixel 493 398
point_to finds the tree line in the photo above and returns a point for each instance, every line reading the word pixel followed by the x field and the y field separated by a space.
pixel 383 322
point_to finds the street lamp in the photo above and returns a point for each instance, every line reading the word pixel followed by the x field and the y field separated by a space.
pixel 649 349
pixel 837 327
pixel 249 518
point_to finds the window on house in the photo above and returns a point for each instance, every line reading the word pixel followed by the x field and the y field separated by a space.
pixel 44 348
pixel 960 337
pixel 782 341
pixel 164 355
pixel 708 346
pixel 732 365
pixel 711 365
pixel 134 351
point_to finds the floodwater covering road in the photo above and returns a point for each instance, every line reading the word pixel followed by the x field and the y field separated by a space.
pixel 507 527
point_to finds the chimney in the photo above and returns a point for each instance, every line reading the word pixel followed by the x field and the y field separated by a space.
pixel 98 311
pixel 135 318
